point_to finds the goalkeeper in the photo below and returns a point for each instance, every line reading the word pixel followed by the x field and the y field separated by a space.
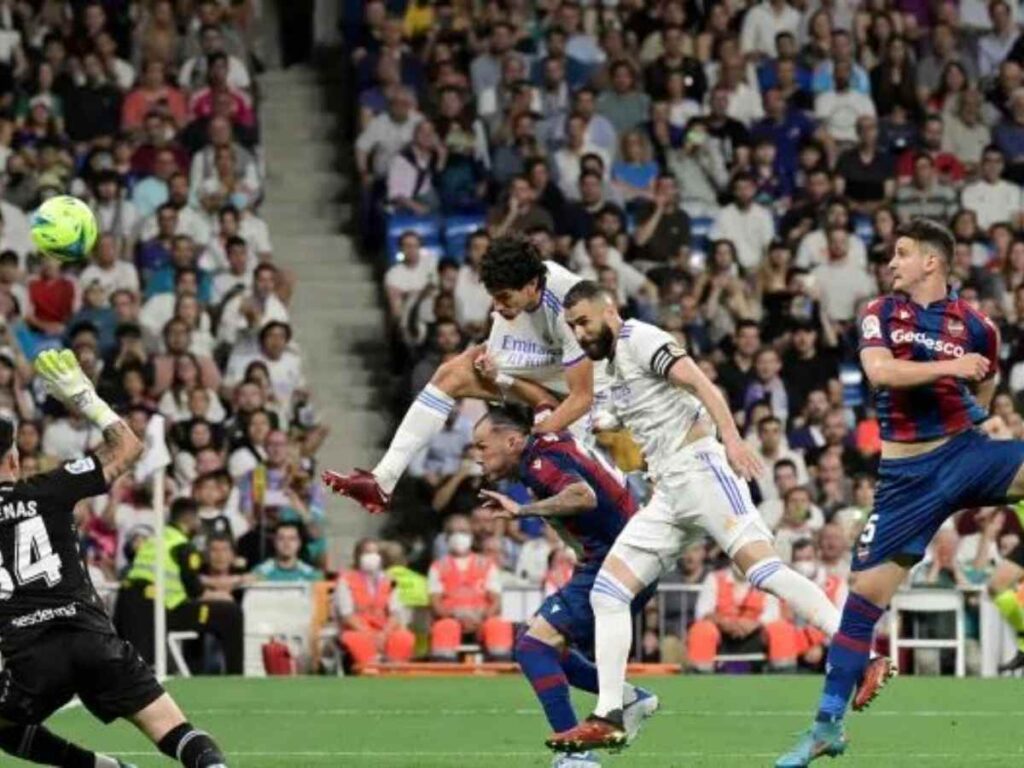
pixel 55 636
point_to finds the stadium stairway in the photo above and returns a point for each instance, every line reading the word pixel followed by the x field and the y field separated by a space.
pixel 336 310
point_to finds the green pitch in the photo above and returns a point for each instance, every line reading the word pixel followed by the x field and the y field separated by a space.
pixel 494 723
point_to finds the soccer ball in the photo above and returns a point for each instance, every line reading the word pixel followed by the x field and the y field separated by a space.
pixel 64 227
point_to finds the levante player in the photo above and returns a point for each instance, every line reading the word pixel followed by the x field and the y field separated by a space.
pixel 931 359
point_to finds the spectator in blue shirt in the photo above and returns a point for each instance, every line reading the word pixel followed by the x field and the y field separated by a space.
pixel 785 127
pixel 1009 137
pixel 842 50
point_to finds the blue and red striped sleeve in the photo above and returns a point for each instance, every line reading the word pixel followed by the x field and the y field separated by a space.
pixel 985 340
pixel 548 473
pixel 872 331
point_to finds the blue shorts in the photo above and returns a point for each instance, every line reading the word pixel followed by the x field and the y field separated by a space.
pixel 915 495
pixel 568 610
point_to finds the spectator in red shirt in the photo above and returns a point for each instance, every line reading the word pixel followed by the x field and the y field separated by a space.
pixel 217 83
pixel 153 93
pixel 159 135
pixel 52 298
pixel 948 167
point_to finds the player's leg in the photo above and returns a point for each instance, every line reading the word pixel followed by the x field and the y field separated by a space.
pixel 163 723
pixel 1002 587
pixel 37 744
pixel 426 417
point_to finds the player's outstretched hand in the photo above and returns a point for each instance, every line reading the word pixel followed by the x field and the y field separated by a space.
pixel 972 367
pixel 64 377
pixel 743 460
pixel 500 505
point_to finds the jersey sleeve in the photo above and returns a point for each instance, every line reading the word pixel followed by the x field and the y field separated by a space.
pixel 549 473
pixel 871 325
pixel 652 348
pixel 71 482
pixel 986 342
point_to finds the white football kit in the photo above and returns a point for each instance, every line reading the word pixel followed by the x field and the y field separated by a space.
pixel 538 346
pixel 696 492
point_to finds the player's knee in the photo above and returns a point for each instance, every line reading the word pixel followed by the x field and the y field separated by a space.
pixel 609 595
pixel 453 376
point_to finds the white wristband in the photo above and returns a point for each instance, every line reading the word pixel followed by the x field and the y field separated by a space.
pixel 504 381
pixel 95 409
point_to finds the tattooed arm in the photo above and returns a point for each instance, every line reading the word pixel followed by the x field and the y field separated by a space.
pixel 120 450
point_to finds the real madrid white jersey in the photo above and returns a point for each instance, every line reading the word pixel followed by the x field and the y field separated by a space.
pixel 658 413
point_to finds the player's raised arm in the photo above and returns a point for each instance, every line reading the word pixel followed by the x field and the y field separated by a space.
pixel 685 373
pixel 579 377
pixel 66 381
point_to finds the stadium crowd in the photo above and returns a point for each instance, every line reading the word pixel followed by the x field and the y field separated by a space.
pixel 733 173
pixel 148 112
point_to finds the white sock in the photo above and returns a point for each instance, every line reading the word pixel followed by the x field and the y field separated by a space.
pixel 102 761
pixel 613 637
pixel 424 419
pixel 803 595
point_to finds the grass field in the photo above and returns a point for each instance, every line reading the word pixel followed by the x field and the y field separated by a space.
pixel 494 723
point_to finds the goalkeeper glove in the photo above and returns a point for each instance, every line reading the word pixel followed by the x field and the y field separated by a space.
pixel 65 380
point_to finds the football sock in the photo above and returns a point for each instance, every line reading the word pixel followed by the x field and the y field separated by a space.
pixel 613 638
pixel 425 418
pixel 848 656
pixel 540 663
pixel 36 744
pixel 190 747
pixel 581 673
pixel 805 597
pixel 1009 606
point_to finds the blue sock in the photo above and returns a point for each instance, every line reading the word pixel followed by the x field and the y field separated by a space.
pixel 541 663
pixel 580 671
pixel 847 656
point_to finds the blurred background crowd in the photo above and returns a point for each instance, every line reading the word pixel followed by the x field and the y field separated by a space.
pixel 734 172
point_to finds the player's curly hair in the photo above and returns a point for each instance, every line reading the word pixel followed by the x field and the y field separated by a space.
pixel 930 232
pixel 511 262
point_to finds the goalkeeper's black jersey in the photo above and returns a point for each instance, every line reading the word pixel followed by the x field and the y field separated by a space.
pixel 43 579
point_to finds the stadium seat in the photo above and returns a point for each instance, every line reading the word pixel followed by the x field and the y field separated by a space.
pixel 928 601
pixel 274 610
pixel 174 641
pixel 700 229
pixel 457 230
pixel 427 227
pixel 863 228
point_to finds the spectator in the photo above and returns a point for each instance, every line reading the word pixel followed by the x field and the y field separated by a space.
pixel 465 597
pixel 731 617
pixel 747 224
pixel 406 279
pixel 863 173
pixel 773 449
pixel 925 195
pixel 796 523
pixel 249 312
pixel 110 272
pixel 284 565
pixel 965 135
pixel 763 23
pixel 843 283
pixel 414 171
pixel 371 614
pixel 994 47
pixel 839 109
pixel 766 385
pixel 153 93
pixel 992 198
pixel 624 105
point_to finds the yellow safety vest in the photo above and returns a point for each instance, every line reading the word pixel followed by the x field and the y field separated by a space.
pixel 411 586
pixel 144 568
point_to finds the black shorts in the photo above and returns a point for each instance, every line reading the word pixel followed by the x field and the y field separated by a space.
pixel 99 667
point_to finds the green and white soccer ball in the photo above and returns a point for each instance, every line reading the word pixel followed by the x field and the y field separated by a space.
pixel 64 227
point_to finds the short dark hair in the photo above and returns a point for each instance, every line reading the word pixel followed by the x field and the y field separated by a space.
pixel 585 290
pixel 769 420
pixel 509 416
pixel 181 506
pixel 784 463
pixel 930 232
pixel 6 435
pixel 511 262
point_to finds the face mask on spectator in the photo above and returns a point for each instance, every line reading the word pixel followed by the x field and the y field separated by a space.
pixel 240 200
pixel 806 568
pixel 459 543
pixel 369 562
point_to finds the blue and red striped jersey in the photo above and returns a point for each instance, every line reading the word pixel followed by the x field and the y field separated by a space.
pixel 553 462
pixel 943 330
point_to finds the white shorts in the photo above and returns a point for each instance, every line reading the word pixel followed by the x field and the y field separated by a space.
pixel 698 496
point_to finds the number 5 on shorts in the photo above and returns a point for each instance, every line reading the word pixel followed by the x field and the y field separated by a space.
pixel 867 535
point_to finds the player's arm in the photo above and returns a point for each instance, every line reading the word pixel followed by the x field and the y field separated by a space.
pixel 884 370
pixel 65 380
pixel 686 374
pixel 574 499
pixel 579 377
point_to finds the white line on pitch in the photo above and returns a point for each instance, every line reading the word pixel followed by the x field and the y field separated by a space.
pixel 488 712
pixel 455 756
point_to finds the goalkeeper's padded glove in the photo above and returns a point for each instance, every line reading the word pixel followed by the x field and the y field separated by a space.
pixel 65 380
